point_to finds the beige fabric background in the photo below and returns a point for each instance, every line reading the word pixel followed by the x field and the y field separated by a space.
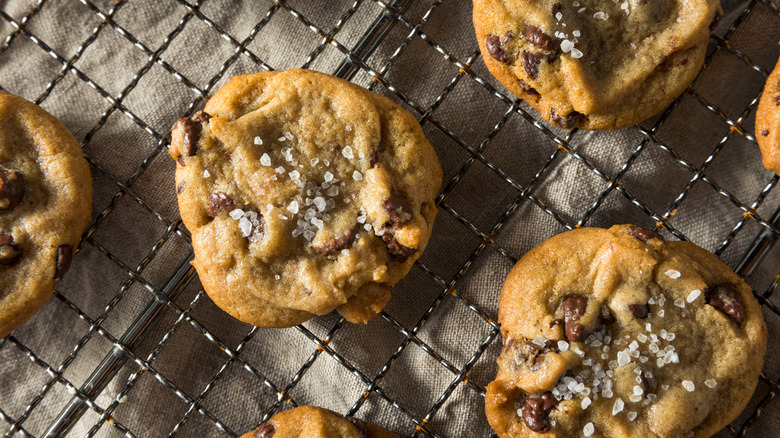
pixel 120 94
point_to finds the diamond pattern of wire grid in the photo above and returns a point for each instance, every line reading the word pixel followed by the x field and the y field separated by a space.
pixel 133 339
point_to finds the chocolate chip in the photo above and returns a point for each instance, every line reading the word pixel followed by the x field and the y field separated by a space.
pixel 398 208
pixel 192 127
pixel 643 234
pixel 531 63
pixel 765 132
pixel 556 7
pixel 339 243
pixel 493 45
pixel 540 39
pixel 568 121
pixel 265 430
pixel 218 202
pixel 528 89
pixel 715 21
pixel 11 189
pixel 536 410
pixel 180 187
pixel 639 310
pixel 573 309
pixel 606 316
pixel 394 248
pixel 537 363
pixel 555 322
pixel 777 100
pixel 510 342
pixel 360 424
pixel 64 258
pixel 10 252
pixel 725 298
pixel 507 37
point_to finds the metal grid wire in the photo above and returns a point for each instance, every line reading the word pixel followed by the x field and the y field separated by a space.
pixel 125 350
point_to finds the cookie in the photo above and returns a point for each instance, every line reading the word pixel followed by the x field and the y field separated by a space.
pixel 768 121
pixel 303 194
pixel 314 422
pixel 595 64
pixel 45 204
pixel 619 333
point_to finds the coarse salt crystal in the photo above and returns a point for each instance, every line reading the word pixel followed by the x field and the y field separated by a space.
pixel 283 217
pixel 367 227
pixel 265 160
pixel 347 152
pixel 348 128
pixel 558 16
pixel 206 173
pixel 601 15
pixel 585 403
pixel 258 141
pixel 308 234
pixel 638 390
pixel 566 46
pixel 563 345
pixel 293 207
pixel 710 383
pixel 618 406
pixel 588 429
pixel 673 274
pixel 693 295
pixel 319 202
pixel 279 169
pixel 314 161
pixel 539 340
pixel 688 385
pixel 328 177
pixel 623 358
pixel 635 398
pixel 282 138
pixel 576 33
pixel 576 53
pixel 294 175
pixel 631 416
pixel 236 214
pixel 245 226
pixel 357 176
pixel 288 135
pixel 679 302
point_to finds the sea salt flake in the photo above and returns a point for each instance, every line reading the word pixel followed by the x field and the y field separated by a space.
pixel 638 390
pixel 688 385
pixel 576 33
pixel 314 161
pixel 279 170
pixel 623 358
pixel 588 429
pixel 245 226
pixel 206 173
pixel 679 302
pixel 308 234
pixel 558 16
pixel 601 15
pixel 347 152
pixel 294 175
pixel 357 176
pixel 288 135
pixel 673 274
pixel 566 46
pixel 710 383
pixel 539 340
pixel 258 141
pixel 618 406
pixel 631 416
pixel 293 207
pixel 693 295
pixel 265 160
pixel 576 53
pixel 585 403
pixel 236 214
pixel 367 227
pixel 282 138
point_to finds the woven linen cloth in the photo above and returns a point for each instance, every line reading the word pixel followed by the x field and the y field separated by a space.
pixel 119 74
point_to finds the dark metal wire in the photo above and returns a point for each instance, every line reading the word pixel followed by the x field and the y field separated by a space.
pixel 392 14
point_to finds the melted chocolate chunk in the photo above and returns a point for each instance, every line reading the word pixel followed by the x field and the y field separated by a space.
pixel 531 63
pixel 360 424
pixel 568 121
pixel 495 49
pixel 648 382
pixel 765 132
pixel 510 342
pixel 11 189
pixel 725 298
pixel 537 363
pixel 556 7
pixel 643 234
pixel 398 208
pixel 573 309
pixel 395 249
pixel 606 317
pixel 528 89
pixel 192 127
pixel 266 430
pixel 777 100
pixel 218 202
pixel 339 243
pixel 64 258
pixel 536 409
pixel 180 187
pixel 639 310
pixel 10 252
pixel 541 40
pixel 715 21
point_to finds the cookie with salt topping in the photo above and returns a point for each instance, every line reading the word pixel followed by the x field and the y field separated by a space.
pixel 316 422
pixel 45 205
pixel 619 333
pixel 595 64
pixel 303 194
pixel 768 121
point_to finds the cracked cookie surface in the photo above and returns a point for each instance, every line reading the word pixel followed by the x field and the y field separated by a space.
pixel 768 121
pixel 45 204
pixel 616 333
pixel 304 194
pixel 595 64
pixel 315 422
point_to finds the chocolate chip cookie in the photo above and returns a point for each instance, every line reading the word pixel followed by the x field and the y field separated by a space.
pixel 619 333
pixel 45 204
pixel 595 64
pixel 768 121
pixel 314 422
pixel 304 194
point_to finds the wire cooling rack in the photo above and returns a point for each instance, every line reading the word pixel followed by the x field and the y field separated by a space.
pixel 90 387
